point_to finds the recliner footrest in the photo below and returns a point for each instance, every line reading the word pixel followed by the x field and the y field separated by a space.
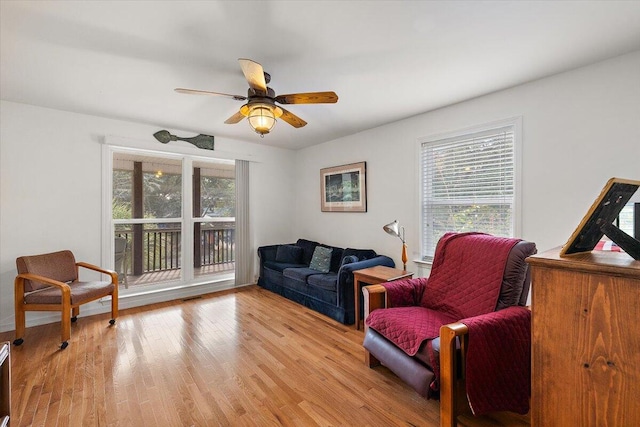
pixel 414 373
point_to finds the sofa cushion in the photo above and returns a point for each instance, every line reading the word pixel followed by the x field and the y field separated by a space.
pixel 299 273
pixel 321 260
pixel 408 327
pixel 289 254
pixel 60 266
pixel 80 292
pixel 466 275
pixel 281 266
pixel 336 258
pixel 308 247
pixel 362 254
pixel 326 281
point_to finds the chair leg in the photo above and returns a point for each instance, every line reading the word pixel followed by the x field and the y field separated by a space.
pixel 66 325
pixel 370 360
pixel 20 321
pixel 75 311
pixel 19 310
pixel 114 305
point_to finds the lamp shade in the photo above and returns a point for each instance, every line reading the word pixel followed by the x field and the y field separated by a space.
pixel 393 228
pixel 261 118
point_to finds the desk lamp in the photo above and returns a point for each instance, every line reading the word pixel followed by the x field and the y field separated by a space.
pixel 394 228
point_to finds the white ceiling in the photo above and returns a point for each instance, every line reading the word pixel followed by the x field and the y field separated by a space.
pixel 386 60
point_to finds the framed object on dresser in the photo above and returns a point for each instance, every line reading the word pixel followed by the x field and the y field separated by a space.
pixel 599 220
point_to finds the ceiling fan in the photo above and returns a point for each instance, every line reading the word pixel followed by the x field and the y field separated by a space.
pixel 261 109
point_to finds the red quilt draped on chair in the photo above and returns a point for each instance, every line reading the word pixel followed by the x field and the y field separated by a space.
pixel 498 363
pixel 465 281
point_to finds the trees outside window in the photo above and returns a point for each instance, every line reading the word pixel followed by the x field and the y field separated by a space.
pixel 469 184
pixel 147 209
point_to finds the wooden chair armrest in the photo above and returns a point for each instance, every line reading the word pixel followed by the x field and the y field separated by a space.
pixel 452 395
pixel 42 279
pixel 19 284
pixel 375 297
pixel 112 273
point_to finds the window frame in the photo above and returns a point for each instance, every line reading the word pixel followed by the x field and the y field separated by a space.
pixel 187 219
pixel 516 124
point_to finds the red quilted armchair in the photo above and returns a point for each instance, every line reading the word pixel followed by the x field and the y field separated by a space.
pixel 478 285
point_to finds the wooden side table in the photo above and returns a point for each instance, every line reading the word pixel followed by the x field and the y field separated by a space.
pixel 374 276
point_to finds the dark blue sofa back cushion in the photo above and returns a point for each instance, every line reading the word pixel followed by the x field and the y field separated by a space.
pixel 290 254
pixel 336 258
pixel 362 254
pixel 308 247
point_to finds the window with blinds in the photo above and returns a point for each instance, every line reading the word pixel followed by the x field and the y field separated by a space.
pixel 468 184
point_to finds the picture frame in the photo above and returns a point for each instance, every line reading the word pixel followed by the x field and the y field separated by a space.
pixel 598 220
pixel 344 188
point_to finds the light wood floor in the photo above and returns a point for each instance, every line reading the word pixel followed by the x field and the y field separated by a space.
pixel 246 357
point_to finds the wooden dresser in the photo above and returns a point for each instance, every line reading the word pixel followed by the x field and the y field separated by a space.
pixel 585 339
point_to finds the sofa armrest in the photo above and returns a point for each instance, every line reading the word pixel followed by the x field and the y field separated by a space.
pixel 371 262
pixel 344 286
pixel 267 253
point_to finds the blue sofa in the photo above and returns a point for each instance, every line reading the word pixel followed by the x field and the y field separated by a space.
pixel 284 269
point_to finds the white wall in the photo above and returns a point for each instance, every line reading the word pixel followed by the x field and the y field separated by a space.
pixel 580 128
pixel 50 188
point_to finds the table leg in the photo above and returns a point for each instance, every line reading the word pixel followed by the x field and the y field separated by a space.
pixel 356 295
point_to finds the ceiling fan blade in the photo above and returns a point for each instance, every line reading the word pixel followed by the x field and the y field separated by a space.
pixel 308 98
pixel 254 74
pixel 205 92
pixel 236 118
pixel 292 119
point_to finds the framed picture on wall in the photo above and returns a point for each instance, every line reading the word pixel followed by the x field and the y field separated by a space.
pixel 344 188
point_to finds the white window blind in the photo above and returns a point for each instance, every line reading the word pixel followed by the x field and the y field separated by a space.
pixel 468 184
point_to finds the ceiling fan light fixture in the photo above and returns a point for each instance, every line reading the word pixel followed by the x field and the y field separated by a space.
pixel 262 119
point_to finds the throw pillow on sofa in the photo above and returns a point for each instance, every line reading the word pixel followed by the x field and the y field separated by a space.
pixel 289 254
pixel 321 260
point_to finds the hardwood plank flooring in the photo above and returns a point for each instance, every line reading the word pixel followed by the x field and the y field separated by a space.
pixel 245 357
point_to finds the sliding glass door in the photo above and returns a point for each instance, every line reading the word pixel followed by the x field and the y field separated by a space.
pixel 156 243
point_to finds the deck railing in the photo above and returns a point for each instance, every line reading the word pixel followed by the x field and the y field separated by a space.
pixel 161 247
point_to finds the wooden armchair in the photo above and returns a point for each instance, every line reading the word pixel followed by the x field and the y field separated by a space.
pixel 50 282
pixel 411 325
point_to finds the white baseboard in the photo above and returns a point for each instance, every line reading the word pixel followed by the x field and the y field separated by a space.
pixel 35 318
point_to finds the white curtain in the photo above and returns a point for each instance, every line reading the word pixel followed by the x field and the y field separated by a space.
pixel 244 252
